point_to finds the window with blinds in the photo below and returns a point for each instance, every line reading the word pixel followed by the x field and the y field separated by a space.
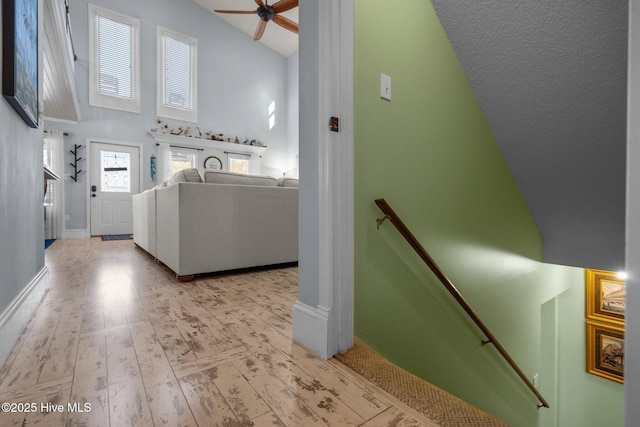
pixel 177 90
pixel 114 57
pixel 114 67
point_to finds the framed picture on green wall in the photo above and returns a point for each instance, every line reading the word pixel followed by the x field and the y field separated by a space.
pixel 605 295
pixel 605 351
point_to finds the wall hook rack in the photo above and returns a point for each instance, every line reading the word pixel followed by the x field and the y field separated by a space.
pixel 74 164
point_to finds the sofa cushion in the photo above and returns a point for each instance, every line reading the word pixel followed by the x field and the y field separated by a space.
pixel 224 177
pixel 186 175
pixel 287 182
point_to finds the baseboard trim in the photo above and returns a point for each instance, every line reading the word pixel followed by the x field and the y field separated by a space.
pixel 80 233
pixel 15 317
pixel 311 329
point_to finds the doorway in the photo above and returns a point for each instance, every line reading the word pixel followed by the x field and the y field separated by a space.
pixel 114 177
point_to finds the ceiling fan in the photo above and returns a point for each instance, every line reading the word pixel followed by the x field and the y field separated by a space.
pixel 268 13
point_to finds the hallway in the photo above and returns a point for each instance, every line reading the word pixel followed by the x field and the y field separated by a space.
pixel 118 341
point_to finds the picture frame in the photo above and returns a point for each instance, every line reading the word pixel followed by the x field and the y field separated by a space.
pixel 20 58
pixel 213 162
pixel 605 297
pixel 605 351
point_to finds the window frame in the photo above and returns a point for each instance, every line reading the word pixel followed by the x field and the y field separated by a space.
pixel 184 152
pixel 97 99
pixel 239 156
pixel 166 111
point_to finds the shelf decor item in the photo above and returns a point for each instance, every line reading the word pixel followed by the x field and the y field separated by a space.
pixel 213 162
pixel 20 57
pixel 605 351
pixel 605 294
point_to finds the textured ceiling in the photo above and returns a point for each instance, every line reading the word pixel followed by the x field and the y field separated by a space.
pixel 277 38
pixel 551 78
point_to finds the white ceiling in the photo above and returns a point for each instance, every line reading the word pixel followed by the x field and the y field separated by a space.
pixel 58 85
pixel 277 38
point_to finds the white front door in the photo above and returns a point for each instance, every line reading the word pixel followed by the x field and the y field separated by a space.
pixel 115 178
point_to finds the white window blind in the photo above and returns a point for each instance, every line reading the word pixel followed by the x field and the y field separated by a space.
pixel 114 57
pixel 114 66
pixel 177 95
pixel 177 73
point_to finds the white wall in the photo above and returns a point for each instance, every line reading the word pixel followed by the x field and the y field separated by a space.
pixel 293 107
pixel 632 315
pixel 21 195
pixel 237 78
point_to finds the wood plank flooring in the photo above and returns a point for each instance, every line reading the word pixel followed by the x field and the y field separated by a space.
pixel 117 341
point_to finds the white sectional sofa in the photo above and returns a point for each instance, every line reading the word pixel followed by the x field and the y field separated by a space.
pixel 227 222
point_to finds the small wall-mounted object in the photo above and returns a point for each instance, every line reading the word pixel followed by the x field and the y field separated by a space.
pixel 74 164
pixel 152 167
pixel 213 162
pixel 334 124
pixel 385 87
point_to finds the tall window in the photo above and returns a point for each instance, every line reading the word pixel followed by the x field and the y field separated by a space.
pixel 177 77
pixel 272 114
pixel 114 44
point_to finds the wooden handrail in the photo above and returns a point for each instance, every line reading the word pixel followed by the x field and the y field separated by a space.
pixel 421 251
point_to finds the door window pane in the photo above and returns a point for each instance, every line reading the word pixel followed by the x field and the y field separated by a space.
pixel 115 172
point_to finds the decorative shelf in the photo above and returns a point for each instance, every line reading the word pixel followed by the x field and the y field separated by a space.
pixel 192 142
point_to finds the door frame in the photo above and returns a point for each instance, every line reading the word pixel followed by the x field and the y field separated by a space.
pixel 89 142
pixel 323 314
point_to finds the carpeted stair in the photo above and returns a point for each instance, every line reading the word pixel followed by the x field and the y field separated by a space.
pixel 436 404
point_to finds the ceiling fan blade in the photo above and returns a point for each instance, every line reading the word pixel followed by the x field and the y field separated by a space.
pixel 286 23
pixel 260 30
pixel 284 5
pixel 260 3
pixel 237 11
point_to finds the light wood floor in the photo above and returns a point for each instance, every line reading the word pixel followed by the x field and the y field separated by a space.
pixel 116 331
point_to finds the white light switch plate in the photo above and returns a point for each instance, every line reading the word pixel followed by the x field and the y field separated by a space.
pixel 385 87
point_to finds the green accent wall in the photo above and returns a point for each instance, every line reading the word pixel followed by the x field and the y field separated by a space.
pixel 431 154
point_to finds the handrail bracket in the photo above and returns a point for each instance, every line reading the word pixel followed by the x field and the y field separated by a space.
pixel 485 342
pixel 381 221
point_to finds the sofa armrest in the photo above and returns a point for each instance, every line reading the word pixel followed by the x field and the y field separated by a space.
pixel 144 220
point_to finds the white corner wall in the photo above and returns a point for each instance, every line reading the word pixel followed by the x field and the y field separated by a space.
pixel 21 215
pixel 632 320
